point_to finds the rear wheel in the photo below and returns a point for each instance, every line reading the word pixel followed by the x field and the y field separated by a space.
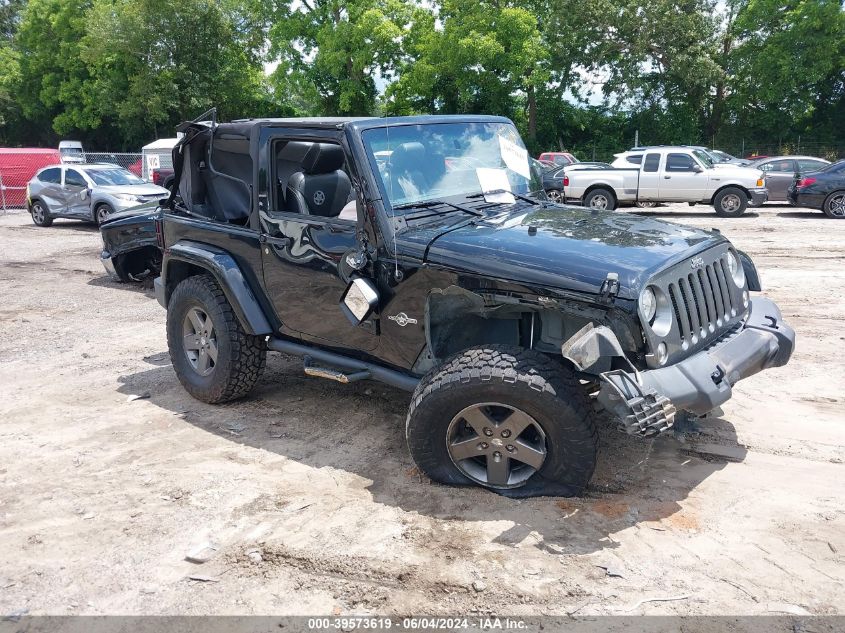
pixel 214 358
pixel 504 418
pixel 40 215
pixel 834 206
pixel 730 202
pixel 645 205
pixel 554 195
pixel 600 199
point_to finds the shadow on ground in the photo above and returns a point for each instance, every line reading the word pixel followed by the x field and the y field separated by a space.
pixel 668 214
pixel 359 428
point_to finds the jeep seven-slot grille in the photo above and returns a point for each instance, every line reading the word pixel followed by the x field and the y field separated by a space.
pixel 702 302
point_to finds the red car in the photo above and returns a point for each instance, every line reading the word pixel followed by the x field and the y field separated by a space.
pixel 558 158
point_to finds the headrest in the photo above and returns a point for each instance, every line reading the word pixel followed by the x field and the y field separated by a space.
pixel 407 155
pixel 323 158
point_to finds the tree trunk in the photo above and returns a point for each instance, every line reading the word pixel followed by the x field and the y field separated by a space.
pixel 532 113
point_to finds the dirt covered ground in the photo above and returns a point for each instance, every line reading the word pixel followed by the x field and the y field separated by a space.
pixel 307 490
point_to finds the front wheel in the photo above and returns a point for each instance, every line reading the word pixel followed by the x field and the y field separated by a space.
pixel 214 358
pixel 645 205
pixel 40 215
pixel 730 202
pixel 102 213
pixel 554 195
pixel 601 200
pixel 834 206
pixel 504 418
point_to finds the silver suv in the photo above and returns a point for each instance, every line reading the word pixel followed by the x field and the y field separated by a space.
pixel 86 192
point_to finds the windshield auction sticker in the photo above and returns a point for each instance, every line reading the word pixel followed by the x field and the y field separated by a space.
pixel 494 185
pixel 515 157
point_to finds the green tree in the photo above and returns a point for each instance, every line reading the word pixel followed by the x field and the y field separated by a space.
pixel 786 66
pixel 487 57
pixel 154 63
pixel 52 73
pixel 330 53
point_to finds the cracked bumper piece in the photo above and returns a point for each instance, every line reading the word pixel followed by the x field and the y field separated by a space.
pixel 758 196
pixel 158 288
pixel 646 401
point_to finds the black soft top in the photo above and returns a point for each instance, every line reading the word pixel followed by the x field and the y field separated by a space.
pixel 245 128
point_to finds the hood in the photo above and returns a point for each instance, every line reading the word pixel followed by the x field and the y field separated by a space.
pixel 727 170
pixel 134 190
pixel 146 209
pixel 567 248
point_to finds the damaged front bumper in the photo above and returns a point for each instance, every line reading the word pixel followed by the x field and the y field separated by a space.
pixel 646 401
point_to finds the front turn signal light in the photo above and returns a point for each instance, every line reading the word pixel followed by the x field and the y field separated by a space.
pixel 760 182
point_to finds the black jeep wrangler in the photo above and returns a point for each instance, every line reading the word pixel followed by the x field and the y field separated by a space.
pixel 423 253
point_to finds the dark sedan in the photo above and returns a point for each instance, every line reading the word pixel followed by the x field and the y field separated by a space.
pixel 823 190
pixel 554 179
pixel 781 170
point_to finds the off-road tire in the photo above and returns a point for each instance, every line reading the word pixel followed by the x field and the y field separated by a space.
pixel 598 193
pixel 46 219
pixel 526 379
pixel 829 208
pixel 106 211
pixel 723 196
pixel 240 356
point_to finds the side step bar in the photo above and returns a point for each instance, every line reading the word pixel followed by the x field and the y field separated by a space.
pixel 356 369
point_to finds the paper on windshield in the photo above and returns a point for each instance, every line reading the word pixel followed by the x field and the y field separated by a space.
pixel 491 180
pixel 515 157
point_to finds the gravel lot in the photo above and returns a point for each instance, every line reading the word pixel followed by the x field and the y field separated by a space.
pixel 308 492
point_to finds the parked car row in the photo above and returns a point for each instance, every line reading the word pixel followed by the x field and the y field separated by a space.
pixel 650 175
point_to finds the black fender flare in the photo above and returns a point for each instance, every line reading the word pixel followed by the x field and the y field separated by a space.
pixel 751 275
pixel 228 274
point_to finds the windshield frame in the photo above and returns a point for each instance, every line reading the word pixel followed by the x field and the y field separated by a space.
pixel 534 188
pixel 703 157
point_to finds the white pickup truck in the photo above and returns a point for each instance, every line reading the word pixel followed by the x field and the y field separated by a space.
pixel 669 174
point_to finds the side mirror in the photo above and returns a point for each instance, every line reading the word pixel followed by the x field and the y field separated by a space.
pixel 84 194
pixel 697 169
pixel 359 300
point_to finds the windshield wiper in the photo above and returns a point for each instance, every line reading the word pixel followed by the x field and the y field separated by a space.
pixel 426 204
pixel 497 191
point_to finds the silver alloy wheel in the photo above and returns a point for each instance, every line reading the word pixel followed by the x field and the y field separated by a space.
pixel 554 195
pixel 646 205
pixel 102 214
pixel 199 341
pixel 836 206
pixel 496 445
pixel 37 213
pixel 599 202
pixel 731 203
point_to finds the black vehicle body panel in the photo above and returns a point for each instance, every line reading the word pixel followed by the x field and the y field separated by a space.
pixel 130 247
pixel 564 248
pixel 828 180
pixel 132 229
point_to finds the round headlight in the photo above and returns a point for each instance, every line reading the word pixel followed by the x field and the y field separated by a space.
pixel 648 304
pixel 736 269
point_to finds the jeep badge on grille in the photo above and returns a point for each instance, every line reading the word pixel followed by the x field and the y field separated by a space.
pixel 696 263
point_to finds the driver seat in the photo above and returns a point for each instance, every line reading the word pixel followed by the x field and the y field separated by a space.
pixel 322 187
